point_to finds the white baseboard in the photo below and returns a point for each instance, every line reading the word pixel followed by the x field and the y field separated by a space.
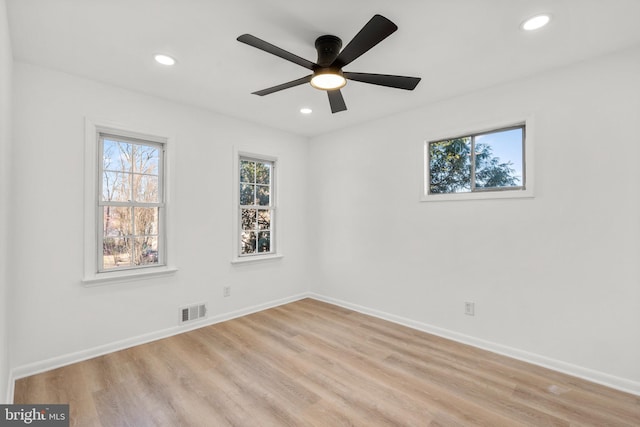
pixel 68 359
pixel 602 378
pixel 618 383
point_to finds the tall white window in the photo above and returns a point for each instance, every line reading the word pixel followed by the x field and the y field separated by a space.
pixel 256 208
pixel 131 203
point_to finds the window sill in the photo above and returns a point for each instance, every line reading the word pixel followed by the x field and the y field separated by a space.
pixel 480 195
pixel 255 258
pixel 128 275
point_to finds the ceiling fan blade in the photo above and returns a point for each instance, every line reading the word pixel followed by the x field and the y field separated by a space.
pixel 377 29
pixel 275 50
pixel 336 101
pixel 398 82
pixel 287 85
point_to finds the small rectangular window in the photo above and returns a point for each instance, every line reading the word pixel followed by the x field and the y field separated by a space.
pixel 481 162
pixel 130 203
pixel 256 206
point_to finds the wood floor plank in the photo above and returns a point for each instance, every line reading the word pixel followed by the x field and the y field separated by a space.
pixel 310 363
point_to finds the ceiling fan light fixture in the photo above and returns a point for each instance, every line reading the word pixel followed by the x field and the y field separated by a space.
pixel 328 79
pixel 327 72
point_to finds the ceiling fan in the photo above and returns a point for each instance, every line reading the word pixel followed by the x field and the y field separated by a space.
pixel 327 70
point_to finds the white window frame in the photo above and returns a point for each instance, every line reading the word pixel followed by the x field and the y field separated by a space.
pixel 237 257
pixel 93 274
pixel 499 193
pixel 131 204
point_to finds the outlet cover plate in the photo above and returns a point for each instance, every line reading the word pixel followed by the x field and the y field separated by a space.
pixel 469 308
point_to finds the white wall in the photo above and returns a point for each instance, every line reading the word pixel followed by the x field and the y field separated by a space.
pixel 6 64
pixel 56 315
pixel 554 278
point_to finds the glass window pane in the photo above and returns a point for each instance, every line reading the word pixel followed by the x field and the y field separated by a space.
pixel 146 250
pixel 247 171
pixel 116 155
pixel 450 166
pixel 116 187
pixel 255 190
pixel 249 219
pixel 248 242
pixel 116 252
pixel 264 241
pixel 116 221
pixel 146 221
pixel 499 159
pixel 262 195
pixel 247 194
pixel 146 188
pixel 146 159
pixel 263 173
pixel 264 219
pixel 130 175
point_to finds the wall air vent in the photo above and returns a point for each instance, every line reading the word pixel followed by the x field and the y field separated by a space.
pixel 192 312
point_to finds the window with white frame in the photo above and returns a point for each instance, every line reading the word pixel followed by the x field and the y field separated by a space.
pixel 256 208
pixel 490 161
pixel 131 203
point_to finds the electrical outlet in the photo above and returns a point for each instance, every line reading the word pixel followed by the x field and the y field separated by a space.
pixel 226 291
pixel 469 308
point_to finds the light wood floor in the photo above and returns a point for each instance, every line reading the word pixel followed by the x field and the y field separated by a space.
pixel 313 364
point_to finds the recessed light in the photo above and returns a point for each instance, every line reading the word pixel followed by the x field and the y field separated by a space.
pixel 535 22
pixel 164 59
pixel 306 110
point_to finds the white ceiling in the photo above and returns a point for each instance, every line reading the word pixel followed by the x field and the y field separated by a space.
pixel 456 46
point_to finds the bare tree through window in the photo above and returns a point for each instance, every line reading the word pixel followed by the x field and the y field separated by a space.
pixel 131 201
pixel 256 206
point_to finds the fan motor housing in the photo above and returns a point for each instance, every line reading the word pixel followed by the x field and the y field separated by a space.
pixel 328 48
